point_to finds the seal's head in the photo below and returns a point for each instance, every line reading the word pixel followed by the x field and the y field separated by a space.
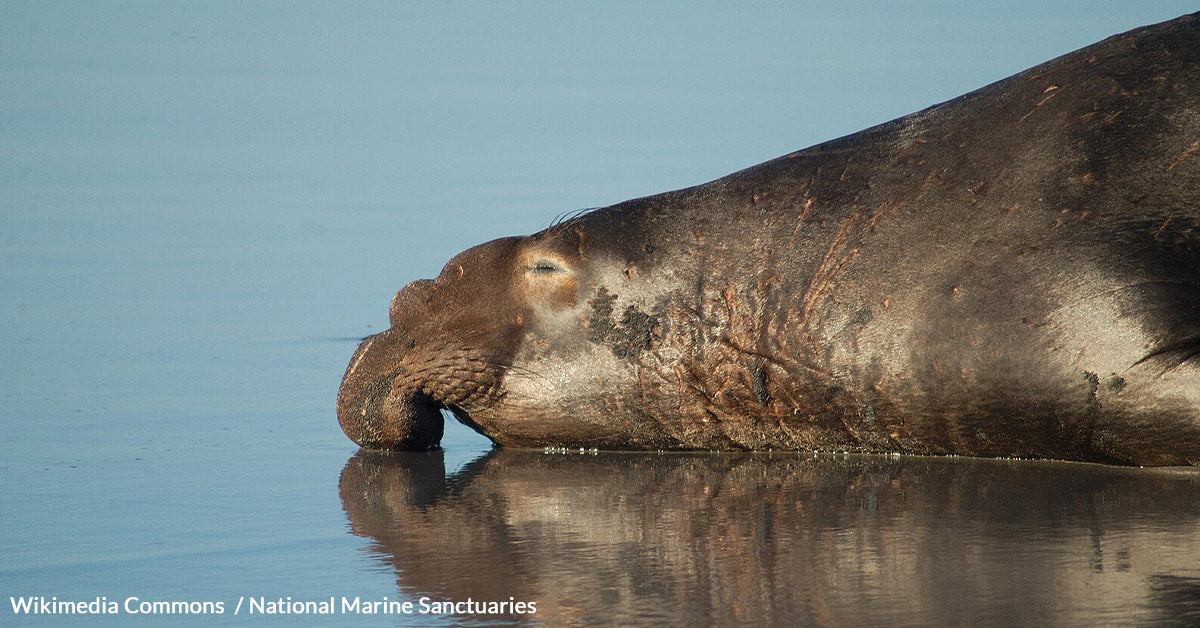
pixel 453 339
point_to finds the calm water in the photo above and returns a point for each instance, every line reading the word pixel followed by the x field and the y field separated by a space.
pixel 786 539
pixel 204 206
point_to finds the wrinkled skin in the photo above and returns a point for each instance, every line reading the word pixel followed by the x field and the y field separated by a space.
pixel 1015 272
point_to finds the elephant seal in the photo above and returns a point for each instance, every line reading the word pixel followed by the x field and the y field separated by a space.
pixel 1013 273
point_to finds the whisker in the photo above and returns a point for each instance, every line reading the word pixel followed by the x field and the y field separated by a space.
pixel 1180 362
pixel 519 369
pixel 1190 343
pixel 569 215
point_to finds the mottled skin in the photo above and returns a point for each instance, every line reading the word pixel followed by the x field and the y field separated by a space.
pixel 1015 272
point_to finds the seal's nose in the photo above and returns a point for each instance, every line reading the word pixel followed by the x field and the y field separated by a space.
pixel 410 301
pixel 375 411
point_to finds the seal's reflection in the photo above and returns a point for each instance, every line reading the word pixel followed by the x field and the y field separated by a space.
pixel 717 538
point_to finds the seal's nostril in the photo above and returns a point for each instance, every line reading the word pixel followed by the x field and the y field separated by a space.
pixel 407 421
pixel 379 407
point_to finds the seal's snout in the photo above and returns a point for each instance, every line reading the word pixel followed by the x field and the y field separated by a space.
pixel 376 411
pixel 411 422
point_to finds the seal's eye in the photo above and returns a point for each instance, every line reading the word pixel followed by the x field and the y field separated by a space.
pixel 545 267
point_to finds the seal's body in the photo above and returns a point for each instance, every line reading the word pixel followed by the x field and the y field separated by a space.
pixel 1015 272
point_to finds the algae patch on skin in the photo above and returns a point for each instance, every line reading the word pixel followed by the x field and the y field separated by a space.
pixel 627 338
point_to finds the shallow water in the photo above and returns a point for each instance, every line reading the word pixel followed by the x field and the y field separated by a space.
pixel 786 539
pixel 203 207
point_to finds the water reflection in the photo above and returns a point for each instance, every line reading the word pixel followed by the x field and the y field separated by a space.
pixel 704 538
